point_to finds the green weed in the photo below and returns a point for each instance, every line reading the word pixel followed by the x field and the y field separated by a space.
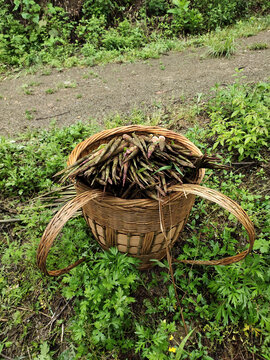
pixel 235 285
pixel 103 314
pixel 161 66
pixel 27 90
pixel 124 37
pixel 153 343
pixel 67 85
pixel 258 46
pixel 50 91
pixel 29 114
pixel 240 118
pixel 137 117
pixel 46 72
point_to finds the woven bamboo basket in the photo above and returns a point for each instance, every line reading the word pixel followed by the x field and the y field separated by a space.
pixel 143 228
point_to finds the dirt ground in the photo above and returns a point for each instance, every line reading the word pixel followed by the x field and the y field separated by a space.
pixel 32 101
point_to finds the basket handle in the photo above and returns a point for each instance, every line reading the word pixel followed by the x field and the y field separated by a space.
pixel 55 226
pixel 227 204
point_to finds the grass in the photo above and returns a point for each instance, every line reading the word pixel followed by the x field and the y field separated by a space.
pixel 91 73
pixel 29 114
pixel 67 85
pixel 105 308
pixel 46 71
pixel 62 85
pixel 50 91
pixel 162 66
pixel 221 47
pixel 28 88
pixel 258 46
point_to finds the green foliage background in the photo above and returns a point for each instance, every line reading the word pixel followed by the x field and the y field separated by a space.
pixel 32 32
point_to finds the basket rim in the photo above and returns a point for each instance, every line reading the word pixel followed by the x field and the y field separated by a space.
pixel 106 134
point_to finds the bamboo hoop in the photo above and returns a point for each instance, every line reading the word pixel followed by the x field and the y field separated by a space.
pixel 228 204
pixel 53 229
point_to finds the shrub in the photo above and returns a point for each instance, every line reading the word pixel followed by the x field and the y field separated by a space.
pixel 91 30
pixel 111 10
pixel 240 118
pixel 34 32
pixel 24 35
pixel 156 7
pixel 124 37
pixel 13 40
pixel 220 13
pixel 185 20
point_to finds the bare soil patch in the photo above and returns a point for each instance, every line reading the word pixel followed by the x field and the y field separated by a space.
pixel 32 101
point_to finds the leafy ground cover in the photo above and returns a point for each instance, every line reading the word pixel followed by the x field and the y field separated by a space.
pixel 94 31
pixel 105 308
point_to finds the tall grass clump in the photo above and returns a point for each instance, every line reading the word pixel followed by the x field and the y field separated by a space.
pixel 221 47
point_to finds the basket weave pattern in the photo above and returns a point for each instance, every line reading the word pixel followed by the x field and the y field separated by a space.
pixel 133 225
pixel 133 229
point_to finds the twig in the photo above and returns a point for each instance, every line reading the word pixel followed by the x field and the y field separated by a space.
pixel 242 355
pixel 265 190
pixel 7 221
pixel 5 357
pixel 7 209
pixel 62 333
pixel 208 177
pixel 235 356
pixel 245 163
pixel 26 309
pixel 56 190
pixel 30 357
pixel 175 290
pixel 163 92
pixel 54 318
pixel 240 168
pixel 52 116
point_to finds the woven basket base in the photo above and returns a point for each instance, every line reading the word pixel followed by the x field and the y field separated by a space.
pixel 145 246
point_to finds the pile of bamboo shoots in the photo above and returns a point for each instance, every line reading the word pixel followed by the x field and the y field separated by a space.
pixel 138 166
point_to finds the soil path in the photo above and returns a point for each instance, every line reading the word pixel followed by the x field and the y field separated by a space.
pixel 32 101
